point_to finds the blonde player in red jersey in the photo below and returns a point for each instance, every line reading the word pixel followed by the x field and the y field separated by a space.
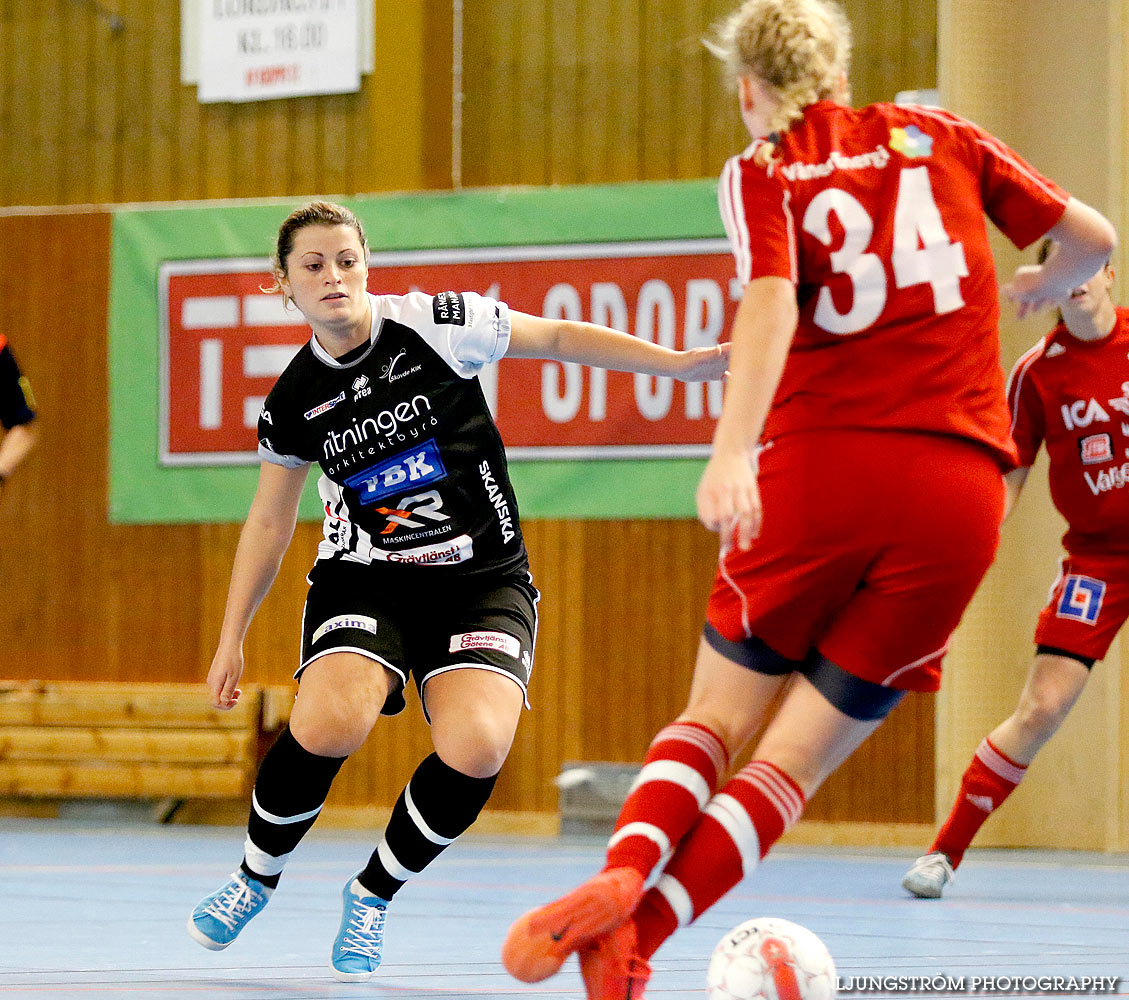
pixel 856 473
pixel 1071 391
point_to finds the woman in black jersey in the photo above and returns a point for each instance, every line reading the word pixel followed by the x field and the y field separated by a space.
pixel 422 572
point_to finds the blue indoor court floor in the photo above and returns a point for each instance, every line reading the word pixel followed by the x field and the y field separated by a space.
pixel 99 911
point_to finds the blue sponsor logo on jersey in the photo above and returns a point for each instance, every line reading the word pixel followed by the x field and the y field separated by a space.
pixel 1081 598
pixel 408 470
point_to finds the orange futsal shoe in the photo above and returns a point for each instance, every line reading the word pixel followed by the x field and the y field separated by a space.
pixel 539 942
pixel 612 968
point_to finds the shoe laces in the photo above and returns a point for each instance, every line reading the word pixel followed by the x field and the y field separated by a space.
pixel 232 903
pixel 932 862
pixel 366 929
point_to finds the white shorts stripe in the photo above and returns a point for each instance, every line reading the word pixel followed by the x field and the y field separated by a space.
pixel 261 862
pixel 392 864
pixel 737 824
pixel 917 663
pixel 280 820
pixel 421 823
pixel 676 773
pixel 674 892
pixel 648 830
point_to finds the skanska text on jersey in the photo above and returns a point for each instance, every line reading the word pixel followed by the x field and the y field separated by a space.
pixel 498 499
pixel 374 435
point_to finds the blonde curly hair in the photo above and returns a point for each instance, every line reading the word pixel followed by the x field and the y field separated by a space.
pixel 800 49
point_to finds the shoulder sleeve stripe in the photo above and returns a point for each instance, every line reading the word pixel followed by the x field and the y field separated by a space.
pixel 733 217
pixel 791 222
pixel 1015 379
pixel 1038 182
pixel 993 145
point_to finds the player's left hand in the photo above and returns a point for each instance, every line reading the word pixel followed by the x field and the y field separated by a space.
pixel 704 364
pixel 1027 289
pixel 729 500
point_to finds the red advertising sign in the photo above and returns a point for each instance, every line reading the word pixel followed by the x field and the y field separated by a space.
pixel 225 341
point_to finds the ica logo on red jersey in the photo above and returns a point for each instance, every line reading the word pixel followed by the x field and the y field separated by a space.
pixel 1082 413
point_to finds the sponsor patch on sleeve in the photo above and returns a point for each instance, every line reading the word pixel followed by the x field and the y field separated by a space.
pixel 497 641
pixel 449 308
pixel 362 622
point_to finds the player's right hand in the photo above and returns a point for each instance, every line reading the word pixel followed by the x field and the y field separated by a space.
pixel 223 678
pixel 729 500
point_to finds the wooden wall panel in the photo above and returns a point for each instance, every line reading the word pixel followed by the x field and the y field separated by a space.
pixel 556 91
pixel 93 103
pixel 628 89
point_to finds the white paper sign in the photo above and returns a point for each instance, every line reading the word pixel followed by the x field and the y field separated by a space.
pixel 254 50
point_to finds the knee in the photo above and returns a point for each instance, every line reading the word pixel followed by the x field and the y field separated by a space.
pixel 478 747
pixel 332 728
pixel 1042 710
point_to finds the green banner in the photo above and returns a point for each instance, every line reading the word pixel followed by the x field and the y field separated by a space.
pixel 146 488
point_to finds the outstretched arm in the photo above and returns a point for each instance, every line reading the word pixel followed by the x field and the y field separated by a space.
pixel 1084 240
pixel 262 543
pixel 601 347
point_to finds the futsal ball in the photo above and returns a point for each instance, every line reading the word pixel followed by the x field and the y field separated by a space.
pixel 772 959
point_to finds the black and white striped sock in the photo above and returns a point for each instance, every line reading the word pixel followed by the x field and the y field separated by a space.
pixel 290 790
pixel 435 807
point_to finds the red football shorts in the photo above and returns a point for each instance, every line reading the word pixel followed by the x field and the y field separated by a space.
pixel 1088 604
pixel 872 545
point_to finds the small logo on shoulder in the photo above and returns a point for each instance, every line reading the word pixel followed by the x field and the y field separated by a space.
pixel 449 309
pixel 911 142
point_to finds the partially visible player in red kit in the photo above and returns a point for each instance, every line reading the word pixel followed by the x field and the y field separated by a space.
pixel 856 476
pixel 1071 392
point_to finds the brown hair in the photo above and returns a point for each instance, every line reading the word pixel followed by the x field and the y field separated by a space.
pixel 314 213
pixel 800 49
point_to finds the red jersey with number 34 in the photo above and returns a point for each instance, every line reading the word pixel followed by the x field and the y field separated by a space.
pixel 877 216
pixel 1074 395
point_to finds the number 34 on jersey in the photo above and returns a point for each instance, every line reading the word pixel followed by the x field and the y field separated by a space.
pixel 923 253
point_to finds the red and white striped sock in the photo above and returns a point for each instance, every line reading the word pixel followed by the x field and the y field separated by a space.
pixel 737 828
pixel 991 777
pixel 681 771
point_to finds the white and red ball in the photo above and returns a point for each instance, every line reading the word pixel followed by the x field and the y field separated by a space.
pixel 773 959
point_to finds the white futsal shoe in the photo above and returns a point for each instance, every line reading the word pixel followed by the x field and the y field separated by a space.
pixel 929 875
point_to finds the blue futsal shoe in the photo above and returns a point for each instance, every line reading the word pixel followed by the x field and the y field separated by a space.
pixel 360 939
pixel 219 918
